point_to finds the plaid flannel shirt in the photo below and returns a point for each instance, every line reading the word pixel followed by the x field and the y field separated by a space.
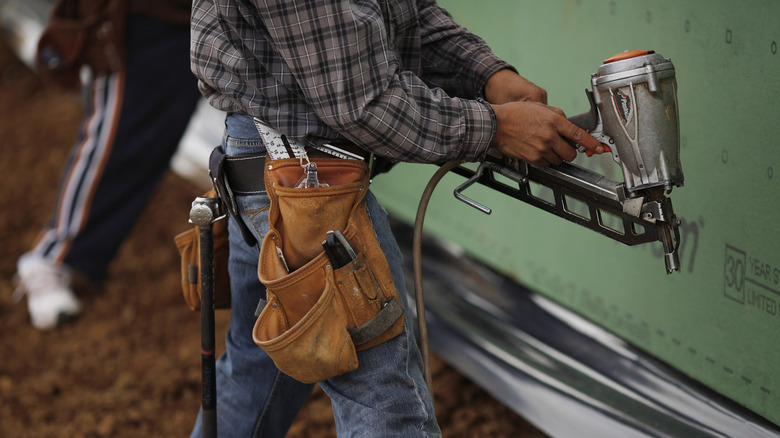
pixel 397 77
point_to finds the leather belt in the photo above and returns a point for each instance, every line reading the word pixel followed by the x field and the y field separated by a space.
pixel 244 173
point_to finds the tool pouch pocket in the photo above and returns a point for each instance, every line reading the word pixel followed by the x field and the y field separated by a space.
pixel 317 317
pixel 188 245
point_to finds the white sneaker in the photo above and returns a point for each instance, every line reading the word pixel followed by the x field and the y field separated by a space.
pixel 50 299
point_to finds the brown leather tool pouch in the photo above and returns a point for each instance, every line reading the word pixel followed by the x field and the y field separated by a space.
pixel 188 245
pixel 317 317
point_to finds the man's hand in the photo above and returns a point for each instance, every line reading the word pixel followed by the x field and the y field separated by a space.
pixel 507 86
pixel 533 131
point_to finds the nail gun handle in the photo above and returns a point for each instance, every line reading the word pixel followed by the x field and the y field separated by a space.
pixel 588 121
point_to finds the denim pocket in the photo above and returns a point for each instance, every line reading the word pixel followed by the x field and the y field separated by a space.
pixel 255 212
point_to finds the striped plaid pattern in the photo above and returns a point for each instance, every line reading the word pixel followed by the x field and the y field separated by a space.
pixel 398 77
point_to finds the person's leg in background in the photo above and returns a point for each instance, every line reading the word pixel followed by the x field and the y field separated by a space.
pixel 133 122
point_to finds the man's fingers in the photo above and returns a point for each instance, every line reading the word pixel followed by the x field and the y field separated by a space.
pixel 581 137
pixel 564 151
pixel 538 134
pixel 541 162
pixel 557 110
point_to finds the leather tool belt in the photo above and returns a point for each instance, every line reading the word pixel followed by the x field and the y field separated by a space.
pixel 317 316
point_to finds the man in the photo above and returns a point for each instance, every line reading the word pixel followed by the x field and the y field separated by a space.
pixel 133 120
pixel 399 79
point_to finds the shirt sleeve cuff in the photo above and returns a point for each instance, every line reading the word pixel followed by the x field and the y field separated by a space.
pixel 480 128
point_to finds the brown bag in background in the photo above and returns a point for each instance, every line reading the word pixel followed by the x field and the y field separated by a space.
pixel 188 244
pixel 82 33
pixel 317 318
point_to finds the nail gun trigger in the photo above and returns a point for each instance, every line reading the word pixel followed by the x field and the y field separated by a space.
pixel 588 153
pixel 602 138
pixel 591 153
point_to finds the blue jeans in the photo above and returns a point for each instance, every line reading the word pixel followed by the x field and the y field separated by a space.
pixel 385 396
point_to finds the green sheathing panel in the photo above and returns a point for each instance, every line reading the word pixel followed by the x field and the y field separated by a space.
pixel 718 320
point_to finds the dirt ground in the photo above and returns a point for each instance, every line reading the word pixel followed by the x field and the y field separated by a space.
pixel 130 366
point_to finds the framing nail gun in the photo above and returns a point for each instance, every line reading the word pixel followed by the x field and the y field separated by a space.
pixel 634 112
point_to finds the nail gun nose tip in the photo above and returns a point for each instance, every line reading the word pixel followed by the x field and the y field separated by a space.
pixel 672 263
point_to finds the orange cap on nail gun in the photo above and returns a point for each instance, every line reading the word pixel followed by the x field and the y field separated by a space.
pixel 627 55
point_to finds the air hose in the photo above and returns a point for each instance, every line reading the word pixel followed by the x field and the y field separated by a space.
pixel 422 328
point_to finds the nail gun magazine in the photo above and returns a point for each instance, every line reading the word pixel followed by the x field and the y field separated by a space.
pixel 633 111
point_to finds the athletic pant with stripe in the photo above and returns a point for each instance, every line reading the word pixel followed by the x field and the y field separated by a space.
pixel 133 120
